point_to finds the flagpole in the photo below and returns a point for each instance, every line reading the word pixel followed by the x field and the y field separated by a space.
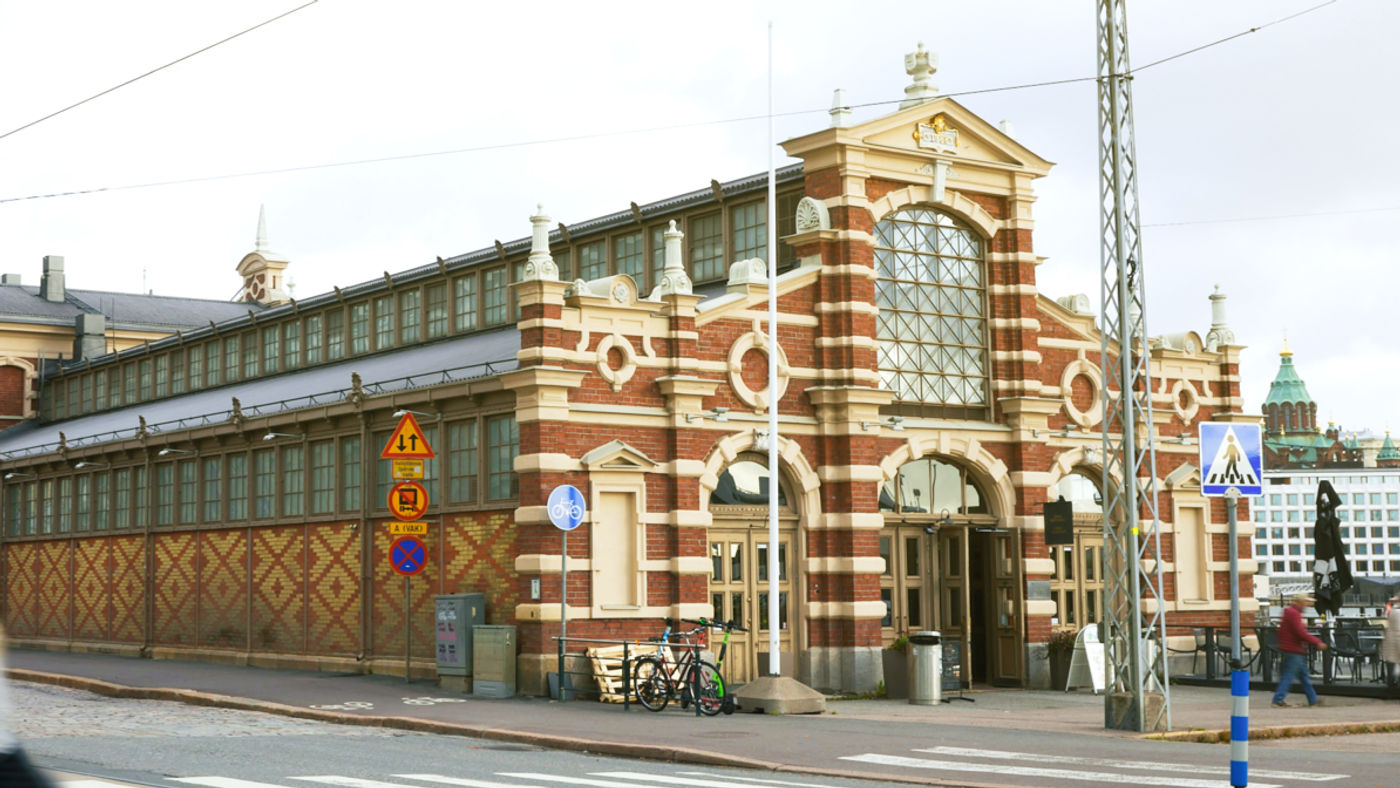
pixel 774 660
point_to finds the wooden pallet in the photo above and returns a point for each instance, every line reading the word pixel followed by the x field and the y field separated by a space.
pixel 607 671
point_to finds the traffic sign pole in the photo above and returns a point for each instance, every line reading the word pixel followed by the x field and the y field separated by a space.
pixel 407 627
pixel 566 508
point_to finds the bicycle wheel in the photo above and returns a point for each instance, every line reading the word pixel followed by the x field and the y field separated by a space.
pixel 711 700
pixel 650 683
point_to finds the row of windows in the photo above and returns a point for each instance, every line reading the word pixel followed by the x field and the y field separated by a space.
pixel 1345 515
pixel 1309 499
pixel 323 477
pixel 1376 532
pixel 411 313
pixel 1358 567
pixel 1308 549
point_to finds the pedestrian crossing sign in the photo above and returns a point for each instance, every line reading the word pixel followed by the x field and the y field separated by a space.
pixel 1231 456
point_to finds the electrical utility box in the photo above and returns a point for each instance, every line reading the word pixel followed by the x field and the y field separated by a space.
pixel 494 662
pixel 456 615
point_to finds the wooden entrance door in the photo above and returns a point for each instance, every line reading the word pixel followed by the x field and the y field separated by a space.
pixel 739 592
pixel 907 582
pixel 954 599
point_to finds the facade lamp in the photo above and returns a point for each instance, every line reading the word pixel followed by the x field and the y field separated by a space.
pixel 272 436
pixel 401 412
pixel 18 475
pixel 91 464
pixel 167 451
pixel 717 413
pixel 893 422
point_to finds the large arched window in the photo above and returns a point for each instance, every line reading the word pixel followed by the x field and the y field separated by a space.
pixel 931 291
pixel 931 486
pixel 745 483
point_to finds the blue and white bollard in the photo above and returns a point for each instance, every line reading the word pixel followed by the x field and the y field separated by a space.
pixel 1239 728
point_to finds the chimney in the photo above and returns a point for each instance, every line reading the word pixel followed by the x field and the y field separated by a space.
pixel 89 335
pixel 51 286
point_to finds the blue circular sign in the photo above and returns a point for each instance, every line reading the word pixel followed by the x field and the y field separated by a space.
pixel 566 507
pixel 408 555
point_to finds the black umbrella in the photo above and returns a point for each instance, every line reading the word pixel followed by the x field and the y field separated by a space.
pixel 1331 572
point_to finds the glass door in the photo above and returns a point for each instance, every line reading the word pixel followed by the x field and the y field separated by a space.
pixel 955 609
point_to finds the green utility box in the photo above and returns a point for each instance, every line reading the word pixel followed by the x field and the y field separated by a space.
pixel 493 661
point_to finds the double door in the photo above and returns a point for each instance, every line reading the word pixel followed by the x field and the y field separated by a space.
pixel 739 592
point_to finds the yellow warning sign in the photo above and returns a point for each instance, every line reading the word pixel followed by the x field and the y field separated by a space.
pixel 408 529
pixel 408 469
pixel 407 442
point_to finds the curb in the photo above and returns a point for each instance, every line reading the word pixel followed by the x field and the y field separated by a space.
pixel 1281 732
pixel 650 752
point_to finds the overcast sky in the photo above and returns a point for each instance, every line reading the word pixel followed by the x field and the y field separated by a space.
pixel 1296 122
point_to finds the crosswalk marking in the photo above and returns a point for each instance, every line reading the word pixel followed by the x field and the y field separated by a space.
pixel 88 784
pixel 757 781
pixel 713 781
pixel 223 782
pixel 1115 763
pixel 1031 771
pixel 350 782
pixel 568 780
pixel 469 783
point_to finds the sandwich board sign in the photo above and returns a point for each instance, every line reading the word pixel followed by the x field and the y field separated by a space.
pixel 1232 455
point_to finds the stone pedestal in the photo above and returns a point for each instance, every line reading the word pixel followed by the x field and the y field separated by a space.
pixel 780 695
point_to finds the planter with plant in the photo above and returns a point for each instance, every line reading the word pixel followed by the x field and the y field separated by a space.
pixel 896 665
pixel 1059 650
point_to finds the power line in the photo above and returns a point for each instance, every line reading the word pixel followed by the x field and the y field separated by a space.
pixel 154 70
pixel 1274 217
pixel 590 136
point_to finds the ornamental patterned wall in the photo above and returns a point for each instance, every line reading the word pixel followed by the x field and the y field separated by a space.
pixel 176 589
pixel 223 589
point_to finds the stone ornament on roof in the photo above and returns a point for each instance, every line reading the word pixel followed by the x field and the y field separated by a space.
pixel 539 266
pixel 812 215
pixel 674 279
pixel 920 65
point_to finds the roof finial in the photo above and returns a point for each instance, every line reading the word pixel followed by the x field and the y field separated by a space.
pixel 674 280
pixel 920 65
pixel 540 264
pixel 840 110
pixel 262 229
pixel 1285 353
pixel 1220 333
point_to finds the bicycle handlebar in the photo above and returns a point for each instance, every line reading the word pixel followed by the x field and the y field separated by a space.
pixel 726 625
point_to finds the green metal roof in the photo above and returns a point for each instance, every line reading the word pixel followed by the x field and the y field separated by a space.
pixel 1388 451
pixel 1287 386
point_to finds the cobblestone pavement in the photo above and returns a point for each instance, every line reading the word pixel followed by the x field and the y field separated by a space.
pixel 45 711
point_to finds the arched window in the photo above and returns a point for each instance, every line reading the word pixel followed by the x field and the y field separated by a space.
pixel 931 291
pixel 929 485
pixel 745 483
pixel 1080 491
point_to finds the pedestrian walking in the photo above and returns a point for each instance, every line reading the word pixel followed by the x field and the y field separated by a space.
pixel 1293 640
pixel 15 769
pixel 1390 647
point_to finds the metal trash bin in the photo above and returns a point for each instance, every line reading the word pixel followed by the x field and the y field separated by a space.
pixel 925 674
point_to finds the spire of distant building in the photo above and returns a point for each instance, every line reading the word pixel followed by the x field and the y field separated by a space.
pixel 1288 406
pixel 1388 457
pixel 262 269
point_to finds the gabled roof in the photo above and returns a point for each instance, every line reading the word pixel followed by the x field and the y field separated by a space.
pixel 133 311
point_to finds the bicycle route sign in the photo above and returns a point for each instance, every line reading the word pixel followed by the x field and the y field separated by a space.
pixel 566 507
pixel 408 555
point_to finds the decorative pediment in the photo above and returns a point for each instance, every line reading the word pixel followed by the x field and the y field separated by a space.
pixel 617 455
pixel 1186 474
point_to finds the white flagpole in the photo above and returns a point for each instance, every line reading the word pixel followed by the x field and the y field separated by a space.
pixel 774 661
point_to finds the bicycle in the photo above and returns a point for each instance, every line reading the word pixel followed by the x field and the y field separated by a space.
pixel 657 678
pixel 727 702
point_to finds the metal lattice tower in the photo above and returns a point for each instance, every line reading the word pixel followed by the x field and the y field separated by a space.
pixel 1137 697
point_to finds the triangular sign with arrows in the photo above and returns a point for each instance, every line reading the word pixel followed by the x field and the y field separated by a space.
pixel 407 442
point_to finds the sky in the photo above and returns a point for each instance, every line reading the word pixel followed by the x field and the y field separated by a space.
pixel 1266 163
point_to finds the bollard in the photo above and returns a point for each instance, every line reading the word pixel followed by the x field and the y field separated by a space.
pixel 1239 728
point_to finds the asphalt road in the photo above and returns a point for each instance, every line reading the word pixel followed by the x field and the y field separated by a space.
pixel 173 745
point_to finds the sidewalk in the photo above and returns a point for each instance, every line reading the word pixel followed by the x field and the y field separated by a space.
pixel 809 743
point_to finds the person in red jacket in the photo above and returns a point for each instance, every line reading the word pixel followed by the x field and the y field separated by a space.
pixel 1293 640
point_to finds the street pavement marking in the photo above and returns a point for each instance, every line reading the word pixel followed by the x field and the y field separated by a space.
pixel 469 783
pixel 89 784
pixel 1030 771
pixel 223 782
pixel 757 781
pixel 714 781
pixel 558 778
pixel 1115 763
pixel 350 782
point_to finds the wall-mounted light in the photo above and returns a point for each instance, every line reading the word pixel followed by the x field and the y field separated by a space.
pixel 1185 439
pixel 272 436
pixel 893 422
pixel 167 451
pixel 718 414
pixel 401 412
pixel 18 475
pixel 91 464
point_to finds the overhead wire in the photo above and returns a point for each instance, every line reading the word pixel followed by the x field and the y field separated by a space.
pixel 579 137
pixel 157 70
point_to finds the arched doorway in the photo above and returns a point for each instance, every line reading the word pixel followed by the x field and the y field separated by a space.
pixel 738 549
pixel 950 566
